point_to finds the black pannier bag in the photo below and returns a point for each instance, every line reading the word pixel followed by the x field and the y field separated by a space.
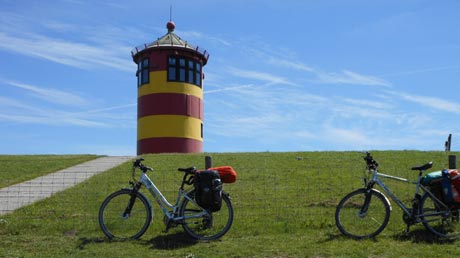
pixel 434 181
pixel 208 189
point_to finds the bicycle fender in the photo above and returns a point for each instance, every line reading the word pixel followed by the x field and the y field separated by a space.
pixel 386 199
pixel 226 194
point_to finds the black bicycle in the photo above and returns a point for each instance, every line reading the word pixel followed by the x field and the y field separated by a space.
pixel 365 212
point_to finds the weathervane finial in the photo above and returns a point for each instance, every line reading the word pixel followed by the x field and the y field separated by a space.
pixel 170 25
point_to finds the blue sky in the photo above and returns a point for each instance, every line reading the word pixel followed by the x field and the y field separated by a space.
pixel 282 75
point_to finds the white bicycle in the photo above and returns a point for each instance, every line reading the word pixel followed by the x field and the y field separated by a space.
pixel 127 213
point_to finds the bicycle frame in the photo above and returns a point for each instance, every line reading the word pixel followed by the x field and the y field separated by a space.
pixel 163 202
pixel 406 210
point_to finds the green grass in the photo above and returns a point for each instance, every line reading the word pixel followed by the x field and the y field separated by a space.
pixel 284 207
pixel 17 169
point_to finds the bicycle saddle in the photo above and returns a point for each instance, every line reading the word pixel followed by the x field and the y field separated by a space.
pixel 189 170
pixel 424 167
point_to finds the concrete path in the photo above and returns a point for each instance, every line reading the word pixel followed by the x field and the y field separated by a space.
pixel 16 196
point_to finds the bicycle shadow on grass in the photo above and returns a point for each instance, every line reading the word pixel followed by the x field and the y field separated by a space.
pixel 423 236
pixel 337 237
pixel 166 242
pixel 84 241
pixel 171 241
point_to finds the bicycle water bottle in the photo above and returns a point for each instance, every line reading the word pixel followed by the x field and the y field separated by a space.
pixel 446 186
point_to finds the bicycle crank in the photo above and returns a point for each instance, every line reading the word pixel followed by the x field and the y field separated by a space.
pixel 169 223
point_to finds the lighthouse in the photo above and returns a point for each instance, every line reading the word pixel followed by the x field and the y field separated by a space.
pixel 169 95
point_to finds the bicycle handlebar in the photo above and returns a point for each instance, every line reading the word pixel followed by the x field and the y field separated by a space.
pixel 138 164
pixel 371 163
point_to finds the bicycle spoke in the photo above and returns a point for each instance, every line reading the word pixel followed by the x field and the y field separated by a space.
pixel 438 218
pixel 352 222
pixel 205 225
pixel 122 216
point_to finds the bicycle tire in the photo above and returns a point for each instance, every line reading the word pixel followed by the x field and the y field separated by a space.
pixel 114 221
pixel 353 223
pixel 207 227
pixel 439 219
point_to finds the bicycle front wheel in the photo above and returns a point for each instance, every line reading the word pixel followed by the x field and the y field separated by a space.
pixel 125 214
pixel 438 218
pixel 206 225
pixel 356 219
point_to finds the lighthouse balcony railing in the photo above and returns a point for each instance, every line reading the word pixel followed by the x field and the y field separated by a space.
pixel 140 48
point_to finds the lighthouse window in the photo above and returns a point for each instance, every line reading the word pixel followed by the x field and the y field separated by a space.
pixel 143 72
pixel 171 74
pixel 172 61
pixel 171 69
pixel 181 69
pixel 190 71
pixel 198 74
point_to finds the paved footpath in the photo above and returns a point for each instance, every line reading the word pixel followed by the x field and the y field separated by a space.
pixel 16 196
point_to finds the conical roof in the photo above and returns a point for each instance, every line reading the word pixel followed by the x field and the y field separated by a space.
pixel 170 39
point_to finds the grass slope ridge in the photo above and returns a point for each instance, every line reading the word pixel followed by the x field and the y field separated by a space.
pixel 16 168
pixel 284 207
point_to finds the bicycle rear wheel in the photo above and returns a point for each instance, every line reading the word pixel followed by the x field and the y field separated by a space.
pixel 203 225
pixel 125 214
pixel 439 219
pixel 355 220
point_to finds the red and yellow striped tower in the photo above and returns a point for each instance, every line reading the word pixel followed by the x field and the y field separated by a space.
pixel 170 95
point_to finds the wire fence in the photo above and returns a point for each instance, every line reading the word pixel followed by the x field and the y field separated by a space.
pixel 279 189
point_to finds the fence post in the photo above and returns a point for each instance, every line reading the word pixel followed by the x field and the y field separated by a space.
pixel 448 142
pixel 452 162
pixel 208 162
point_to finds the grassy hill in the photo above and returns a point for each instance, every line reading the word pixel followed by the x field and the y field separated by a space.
pixel 284 207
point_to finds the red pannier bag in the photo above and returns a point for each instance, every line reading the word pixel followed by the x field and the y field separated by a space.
pixel 455 178
pixel 227 174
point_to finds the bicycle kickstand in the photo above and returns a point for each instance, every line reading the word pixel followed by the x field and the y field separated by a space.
pixel 406 231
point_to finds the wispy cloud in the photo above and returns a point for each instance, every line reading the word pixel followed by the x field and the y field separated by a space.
pixel 50 95
pixel 367 103
pixel 344 77
pixel 84 38
pixel 270 79
pixel 348 137
pixel 79 55
pixel 291 64
pixel 431 102
pixel 228 88
pixel 100 110
pixel 17 110
pixel 196 35
pixel 319 76
pixel 361 139
pixel 349 77
pixel 51 119
pixel 425 70
pixel 15 104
